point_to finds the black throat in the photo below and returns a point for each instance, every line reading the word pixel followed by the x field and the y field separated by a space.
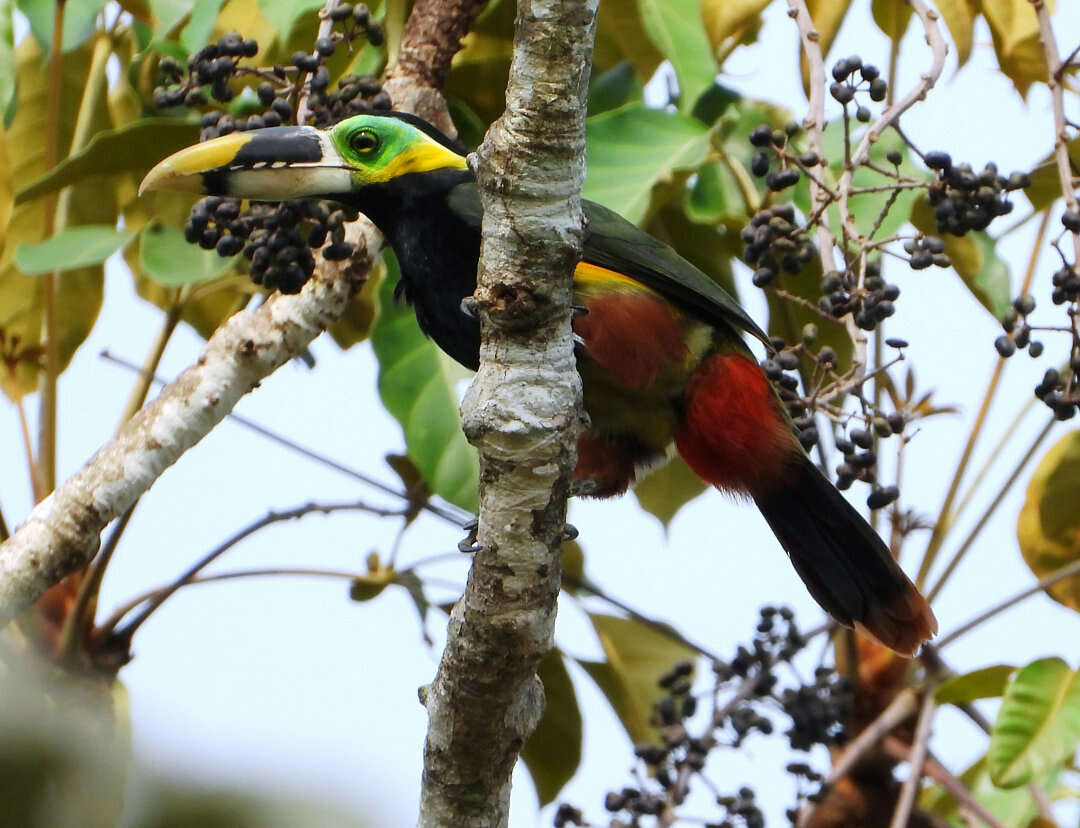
pixel 437 250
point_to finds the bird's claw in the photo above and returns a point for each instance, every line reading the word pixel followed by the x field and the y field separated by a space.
pixel 583 488
pixel 468 307
pixel 468 544
pixel 569 532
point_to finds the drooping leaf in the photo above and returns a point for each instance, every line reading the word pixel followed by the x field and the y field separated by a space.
pixel 1012 807
pixel 892 17
pixel 355 324
pixel 1014 27
pixel 637 656
pixel 79 19
pixel 974 257
pixel 1038 726
pixel 663 492
pixel 1045 186
pixel 1048 528
pixel 196 33
pixel 675 28
pixel 416 384
pixel 960 18
pixel 726 19
pixel 79 292
pixel 170 261
pixel 631 150
pixel 827 16
pixel 89 244
pixel 987 683
pixel 479 71
pixel 136 146
pixel 7 64
pixel 616 87
pixel 619 22
pixel 7 195
pixel 553 752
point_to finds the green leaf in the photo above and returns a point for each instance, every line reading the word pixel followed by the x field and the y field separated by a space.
pixel 170 261
pixel 866 207
pixel 1038 726
pixel 416 384
pixel 136 146
pixel 637 656
pixel 614 88
pixel 675 27
pixel 1048 528
pixel 1013 807
pixel 974 257
pixel 200 25
pixel 715 195
pixel 987 683
pixel 663 492
pixel 553 752
pixel 167 13
pixel 77 247
pixel 7 62
pixel 892 17
pixel 631 150
pixel 79 20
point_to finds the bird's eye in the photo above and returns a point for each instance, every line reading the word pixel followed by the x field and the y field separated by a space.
pixel 364 141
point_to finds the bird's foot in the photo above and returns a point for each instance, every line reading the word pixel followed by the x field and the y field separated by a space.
pixel 584 487
pixel 569 532
pixel 468 544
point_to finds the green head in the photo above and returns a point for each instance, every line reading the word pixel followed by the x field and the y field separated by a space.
pixel 296 162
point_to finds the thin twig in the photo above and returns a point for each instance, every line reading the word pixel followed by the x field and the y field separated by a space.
pixel 940 774
pixel 900 708
pixel 1005 489
pixel 1055 68
pixel 448 512
pixel 326 25
pixel 129 629
pixel 1040 585
pixel 906 801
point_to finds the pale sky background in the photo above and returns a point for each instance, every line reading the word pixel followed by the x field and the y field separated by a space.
pixel 285 686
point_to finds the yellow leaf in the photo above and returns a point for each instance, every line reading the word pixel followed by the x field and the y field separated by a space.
pixel 1048 528
pixel 827 16
pixel 1015 31
pixel 726 19
pixel 960 18
pixel 620 21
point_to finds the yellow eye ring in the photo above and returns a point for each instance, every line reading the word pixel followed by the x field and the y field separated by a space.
pixel 364 141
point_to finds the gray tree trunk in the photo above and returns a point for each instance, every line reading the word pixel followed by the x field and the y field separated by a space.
pixel 523 412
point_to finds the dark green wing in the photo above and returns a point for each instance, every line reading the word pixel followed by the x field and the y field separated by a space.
pixel 614 243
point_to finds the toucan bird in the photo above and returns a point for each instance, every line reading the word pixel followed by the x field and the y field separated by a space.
pixel 660 345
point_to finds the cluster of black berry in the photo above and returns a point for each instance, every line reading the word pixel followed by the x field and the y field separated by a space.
pixel 771 143
pixel 774 242
pixel 810 787
pixel 818 711
pixel 925 251
pixel 840 295
pixel 1017 330
pixel 1061 391
pixel 845 84
pixel 860 459
pixel 277 238
pixel 741 807
pixel 964 200
pixel 213 65
pixel 780 368
pixel 1066 285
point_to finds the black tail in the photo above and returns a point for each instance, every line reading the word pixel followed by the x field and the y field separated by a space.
pixel 843 562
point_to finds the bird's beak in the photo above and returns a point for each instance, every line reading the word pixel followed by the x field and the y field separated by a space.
pixel 269 164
